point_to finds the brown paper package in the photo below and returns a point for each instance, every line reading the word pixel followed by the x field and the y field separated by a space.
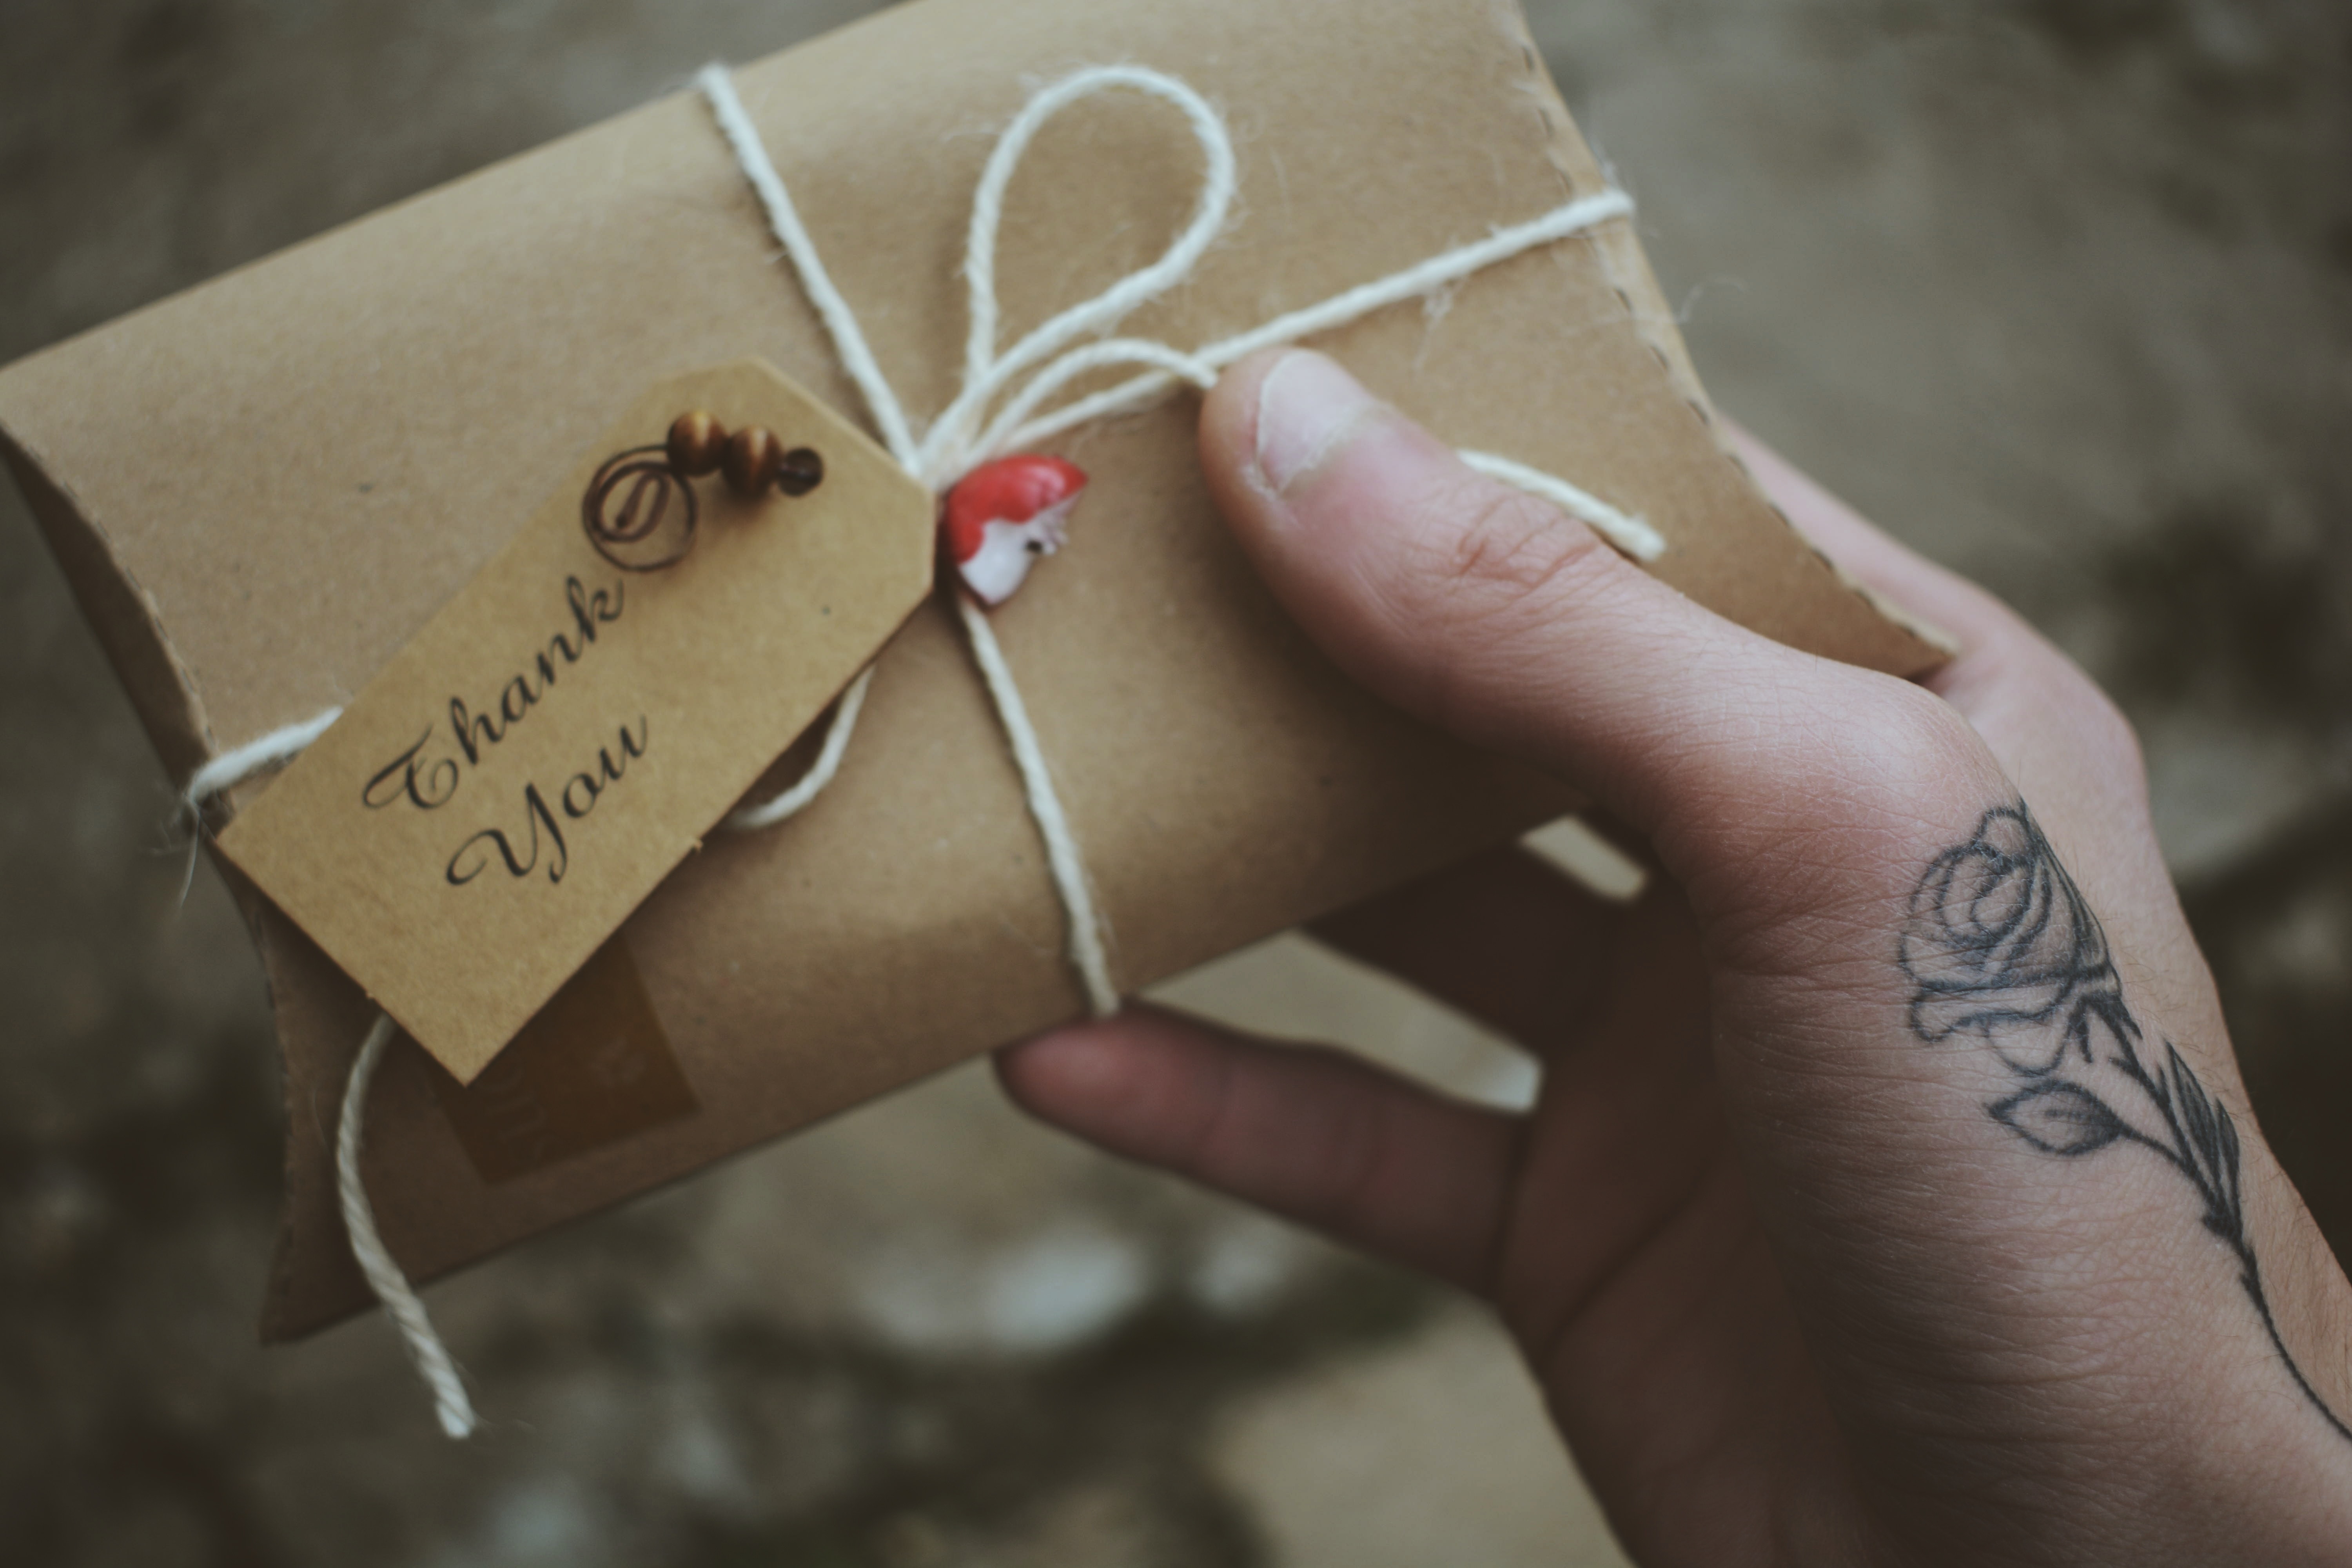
pixel 332 440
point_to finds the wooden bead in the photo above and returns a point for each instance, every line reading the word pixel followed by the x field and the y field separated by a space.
pixel 696 443
pixel 754 457
pixel 803 471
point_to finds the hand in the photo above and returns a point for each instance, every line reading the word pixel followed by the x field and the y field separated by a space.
pixel 1880 1203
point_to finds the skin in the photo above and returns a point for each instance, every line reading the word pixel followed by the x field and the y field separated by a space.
pixel 1792 1294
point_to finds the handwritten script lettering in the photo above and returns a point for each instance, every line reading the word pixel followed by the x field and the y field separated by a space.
pixel 429 772
pixel 426 777
pixel 575 801
pixel 426 783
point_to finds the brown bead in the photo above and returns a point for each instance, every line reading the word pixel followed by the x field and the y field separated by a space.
pixel 754 457
pixel 696 442
pixel 803 471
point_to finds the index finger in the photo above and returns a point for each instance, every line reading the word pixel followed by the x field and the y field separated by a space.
pixel 1914 585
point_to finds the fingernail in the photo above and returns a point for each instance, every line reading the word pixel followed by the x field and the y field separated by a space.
pixel 1306 405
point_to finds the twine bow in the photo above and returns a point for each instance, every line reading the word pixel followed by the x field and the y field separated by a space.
pixel 1053 357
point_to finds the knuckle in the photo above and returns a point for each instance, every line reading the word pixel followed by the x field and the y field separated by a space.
pixel 1864 757
pixel 2099 723
pixel 2063 694
pixel 1484 573
pixel 1819 825
pixel 2043 702
pixel 1487 551
pixel 1914 751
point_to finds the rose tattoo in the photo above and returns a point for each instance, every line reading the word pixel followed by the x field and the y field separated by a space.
pixel 2001 946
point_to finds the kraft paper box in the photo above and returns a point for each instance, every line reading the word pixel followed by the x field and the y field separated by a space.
pixel 331 441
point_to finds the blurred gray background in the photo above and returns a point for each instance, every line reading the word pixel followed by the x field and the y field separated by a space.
pixel 2060 291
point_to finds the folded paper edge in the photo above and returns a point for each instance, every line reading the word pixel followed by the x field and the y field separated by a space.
pixel 1627 267
pixel 120 611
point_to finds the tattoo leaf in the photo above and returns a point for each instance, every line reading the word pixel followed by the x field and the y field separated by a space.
pixel 2059 1118
pixel 2209 1148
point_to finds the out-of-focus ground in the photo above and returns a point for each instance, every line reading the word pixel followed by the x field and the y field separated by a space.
pixel 2060 291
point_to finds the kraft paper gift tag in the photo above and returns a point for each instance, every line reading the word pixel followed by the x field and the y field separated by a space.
pixel 565 731
pixel 334 440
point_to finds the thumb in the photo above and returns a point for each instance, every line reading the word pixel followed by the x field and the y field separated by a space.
pixel 1496 616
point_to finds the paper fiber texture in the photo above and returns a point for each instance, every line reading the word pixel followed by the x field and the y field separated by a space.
pixel 527 768
pixel 446 359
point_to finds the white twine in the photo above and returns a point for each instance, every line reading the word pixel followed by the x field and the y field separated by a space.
pixel 960 438
pixel 425 1348
pixel 768 813
pixel 1424 279
pixel 1628 533
pixel 231 768
pixel 1085 945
